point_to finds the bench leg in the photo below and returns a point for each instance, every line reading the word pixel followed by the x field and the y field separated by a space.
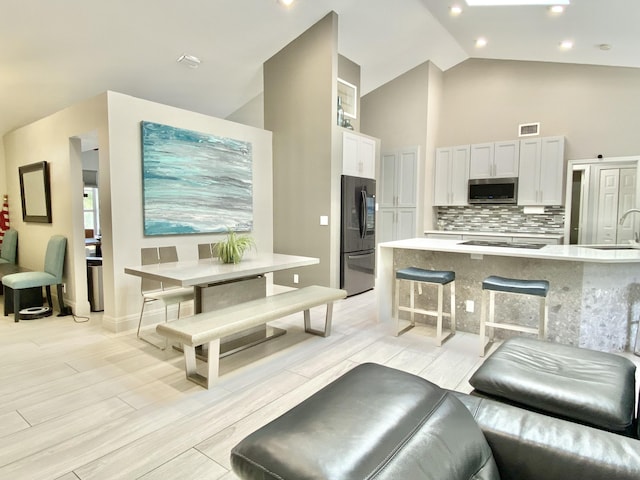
pixel 213 364
pixel 327 325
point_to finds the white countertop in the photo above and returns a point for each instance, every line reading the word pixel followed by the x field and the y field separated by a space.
pixel 577 253
pixel 497 234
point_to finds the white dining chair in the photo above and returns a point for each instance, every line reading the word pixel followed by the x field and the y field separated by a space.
pixel 157 291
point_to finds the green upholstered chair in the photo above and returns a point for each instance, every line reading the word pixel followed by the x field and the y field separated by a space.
pixel 52 275
pixel 9 246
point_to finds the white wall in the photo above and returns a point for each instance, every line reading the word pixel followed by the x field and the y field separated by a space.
pixel 251 113
pixel 121 179
pixel 3 170
pixel 116 119
pixel 594 107
pixel 48 140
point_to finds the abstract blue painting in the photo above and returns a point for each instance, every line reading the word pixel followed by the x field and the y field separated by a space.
pixel 195 182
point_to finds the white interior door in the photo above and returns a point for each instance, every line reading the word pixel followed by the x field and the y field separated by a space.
pixel 627 200
pixel 616 194
pixel 607 219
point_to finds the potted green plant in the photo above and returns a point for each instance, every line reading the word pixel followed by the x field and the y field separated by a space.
pixel 232 249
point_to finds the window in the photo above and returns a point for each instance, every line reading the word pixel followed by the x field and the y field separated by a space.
pixel 91 211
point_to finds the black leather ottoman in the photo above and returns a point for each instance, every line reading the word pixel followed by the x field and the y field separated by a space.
pixel 374 422
pixel 581 385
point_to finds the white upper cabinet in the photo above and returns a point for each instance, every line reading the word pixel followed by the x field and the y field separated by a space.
pixel 541 178
pixel 494 160
pixel 358 155
pixel 451 175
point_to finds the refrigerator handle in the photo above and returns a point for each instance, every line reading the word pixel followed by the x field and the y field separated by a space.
pixel 363 213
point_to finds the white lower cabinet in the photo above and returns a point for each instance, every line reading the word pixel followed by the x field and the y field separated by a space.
pixel 396 224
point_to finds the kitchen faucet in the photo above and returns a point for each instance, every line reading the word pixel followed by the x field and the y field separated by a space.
pixel 622 218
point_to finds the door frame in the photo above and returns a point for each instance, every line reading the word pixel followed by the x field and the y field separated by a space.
pixel 587 198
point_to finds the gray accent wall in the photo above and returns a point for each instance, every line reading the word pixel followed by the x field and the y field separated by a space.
pixel 403 113
pixel 300 109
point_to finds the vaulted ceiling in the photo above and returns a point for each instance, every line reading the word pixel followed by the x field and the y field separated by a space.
pixel 56 53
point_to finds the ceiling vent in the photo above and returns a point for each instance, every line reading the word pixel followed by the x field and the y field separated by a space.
pixel 529 129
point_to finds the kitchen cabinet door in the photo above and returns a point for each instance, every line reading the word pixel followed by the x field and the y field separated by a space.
pixel 552 171
pixel 386 226
pixel 506 157
pixel 541 178
pixel 451 176
pixel 358 155
pixel 405 223
pixel 494 160
pixel 481 161
pixel 397 195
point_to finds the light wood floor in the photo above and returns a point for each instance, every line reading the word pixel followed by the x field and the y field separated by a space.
pixel 77 402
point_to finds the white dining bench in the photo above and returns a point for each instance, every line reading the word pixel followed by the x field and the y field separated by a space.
pixel 207 328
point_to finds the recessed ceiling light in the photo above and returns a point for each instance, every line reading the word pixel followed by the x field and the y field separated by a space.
pixel 481 42
pixel 190 60
pixel 479 3
pixel 566 45
pixel 604 46
pixel 286 3
pixel 455 10
pixel 557 9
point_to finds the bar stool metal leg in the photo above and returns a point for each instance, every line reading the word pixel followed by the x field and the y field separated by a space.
pixel 483 321
pixel 493 285
pixel 419 277
pixel 452 319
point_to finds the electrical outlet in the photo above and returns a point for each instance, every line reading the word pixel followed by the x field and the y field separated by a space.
pixel 469 306
pixel 296 279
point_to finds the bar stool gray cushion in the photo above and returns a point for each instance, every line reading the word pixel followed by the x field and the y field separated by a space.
pixel 586 386
pixel 374 422
pixel 539 288
pixel 422 275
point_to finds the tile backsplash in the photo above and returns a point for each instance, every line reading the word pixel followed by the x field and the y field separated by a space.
pixel 500 218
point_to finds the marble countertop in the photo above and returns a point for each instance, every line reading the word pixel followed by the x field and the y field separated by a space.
pixel 497 234
pixel 577 253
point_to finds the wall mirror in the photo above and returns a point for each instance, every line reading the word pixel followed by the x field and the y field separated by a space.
pixel 35 191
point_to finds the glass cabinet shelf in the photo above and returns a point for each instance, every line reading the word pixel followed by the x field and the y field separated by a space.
pixel 348 94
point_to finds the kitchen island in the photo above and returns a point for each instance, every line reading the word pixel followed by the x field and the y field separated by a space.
pixel 593 299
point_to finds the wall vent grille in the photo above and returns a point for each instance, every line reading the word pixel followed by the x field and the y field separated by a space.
pixel 529 129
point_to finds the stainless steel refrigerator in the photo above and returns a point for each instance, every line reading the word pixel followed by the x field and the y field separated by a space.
pixel 358 234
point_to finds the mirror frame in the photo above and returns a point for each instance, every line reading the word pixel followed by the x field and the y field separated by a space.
pixel 30 197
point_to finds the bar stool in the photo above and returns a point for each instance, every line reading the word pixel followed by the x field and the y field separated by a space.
pixel 493 284
pixel 428 277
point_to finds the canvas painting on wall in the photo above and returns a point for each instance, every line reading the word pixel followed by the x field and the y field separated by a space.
pixel 195 182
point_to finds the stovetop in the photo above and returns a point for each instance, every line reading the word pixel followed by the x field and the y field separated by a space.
pixel 498 243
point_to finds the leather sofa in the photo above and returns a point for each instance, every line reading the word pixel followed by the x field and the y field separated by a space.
pixel 577 384
pixel 376 422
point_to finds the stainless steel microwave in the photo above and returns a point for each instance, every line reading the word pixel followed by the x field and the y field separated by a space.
pixel 493 190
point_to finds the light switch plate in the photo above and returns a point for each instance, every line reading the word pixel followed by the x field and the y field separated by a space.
pixel 324 220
